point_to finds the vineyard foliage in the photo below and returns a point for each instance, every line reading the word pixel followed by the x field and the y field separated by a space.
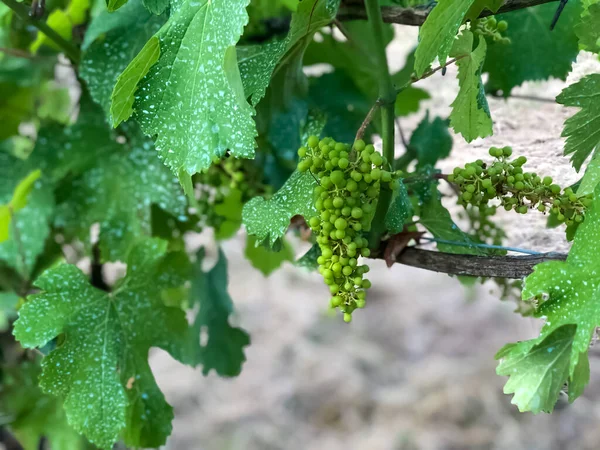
pixel 127 126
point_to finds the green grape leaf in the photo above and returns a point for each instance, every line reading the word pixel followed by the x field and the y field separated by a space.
pixel 119 37
pixel 34 414
pixel 345 106
pixel 113 5
pixel 101 368
pixel 265 260
pixel 8 309
pixel 224 348
pixel 230 210
pixel 438 33
pixel 409 100
pixel 590 179
pixel 582 130
pixel 535 51
pixel 156 6
pixel 537 370
pixel 309 259
pixel 480 5
pixel 431 141
pixel 259 62
pixel 28 226
pixel 360 45
pixel 570 300
pixel 588 30
pixel 268 220
pixel 470 114
pixel 192 99
pixel 400 210
pixel 16 203
pixel 117 192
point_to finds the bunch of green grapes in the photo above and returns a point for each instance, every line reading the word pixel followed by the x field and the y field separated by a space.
pixel 349 179
pixel 516 189
pixel 482 227
pixel 224 178
pixel 490 27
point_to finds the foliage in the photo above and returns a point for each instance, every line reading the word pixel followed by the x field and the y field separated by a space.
pixel 189 116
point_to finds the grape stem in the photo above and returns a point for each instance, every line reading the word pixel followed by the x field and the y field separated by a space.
pixel 24 13
pixel 386 101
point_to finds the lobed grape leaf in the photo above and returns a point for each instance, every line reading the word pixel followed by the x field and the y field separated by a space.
pixel 571 288
pixel 535 51
pixel 259 62
pixel 112 42
pixel 34 415
pixel 265 260
pixel 437 35
pixel 268 220
pixel 224 348
pixel 470 114
pixel 29 226
pixel 537 370
pixel 100 369
pixel 192 99
pixel 582 130
pixel 117 192
pixel 588 30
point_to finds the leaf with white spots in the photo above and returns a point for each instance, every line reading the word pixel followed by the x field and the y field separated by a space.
pixel 192 99
pixel 571 297
pixel 100 368
pixel 590 179
pixel 470 114
pixel 582 130
pixel 268 220
pixel 259 62
pixel 117 192
pixel 114 41
pixel 224 348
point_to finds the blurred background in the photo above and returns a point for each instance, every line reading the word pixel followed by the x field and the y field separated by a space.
pixel 415 369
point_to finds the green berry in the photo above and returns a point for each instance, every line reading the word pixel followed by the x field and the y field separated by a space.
pixel 313 141
pixel 359 145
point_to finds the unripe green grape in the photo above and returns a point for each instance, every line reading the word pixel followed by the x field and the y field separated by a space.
pixel 357 226
pixel 376 159
pixel 522 209
pixel 346 211
pixel 347 270
pixel 356 176
pixel 337 268
pixel 510 179
pixel 338 202
pixel 491 22
pixel 336 301
pixel 333 288
pixel 486 183
pixel 360 304
pixel 470 188
pixel 359 145
pixel 519 185
pixel 470 171
pixel 364 168
pixel 328 203
pixel 541 207
pixel 304 165
pixel 313 141
pixel 366 284
pixel 547 181
pixel 555 188
pixel 368 178
pixel 366 252
pixel 314 222
pixel 376 174
pixel 578 218
pixel 351 185
pixel 386 176
pixel 341 224
pixel 467 196
pixel 357 212
pixel 372 192
pixel 572 197
pixel 340 234
pixel 502 26
pixel 519 177
pixel 347 317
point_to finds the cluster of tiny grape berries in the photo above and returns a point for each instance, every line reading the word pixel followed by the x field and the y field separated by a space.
pixel 491 27
pixel 483 228
pixel 349 179
pixel 516 189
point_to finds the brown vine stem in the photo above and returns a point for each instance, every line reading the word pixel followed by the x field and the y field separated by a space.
pixel 355 10
pixel 514 267
pixel 23 12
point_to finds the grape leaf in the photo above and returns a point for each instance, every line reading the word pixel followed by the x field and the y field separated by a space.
pixel 16 105
pixel 590 179
pixel 431 141
pixel 438 33
pixel 119 37
pixel 101 368
pixel 470 114
pixel 192 99
pixel 265 260
pixel 537 370
pixel 588 30
pixel 409 100
pixel 582 130
pixel 8 309
pixel 268 220
pixel 33 414
pixel 156 6
pixel 400 210
pixel 535 51
pixel 29 226
pixel 258 62
pixel 231 211
pixel 309 259
pixel 224 349
pixel 571 288
pixel 117 192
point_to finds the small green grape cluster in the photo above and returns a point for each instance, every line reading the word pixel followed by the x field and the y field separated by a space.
pixel 489 26
pixel 516 189
pixel 349 179
pixel 482 227
pixel 223 177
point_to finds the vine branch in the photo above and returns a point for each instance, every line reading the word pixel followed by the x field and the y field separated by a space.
pixel 23 12
pixel 514 267
pixel 355 10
